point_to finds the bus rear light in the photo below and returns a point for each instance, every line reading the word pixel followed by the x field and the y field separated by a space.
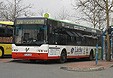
pixel 41 50
pixel 15 50
pixel 38 50
pixel 45 50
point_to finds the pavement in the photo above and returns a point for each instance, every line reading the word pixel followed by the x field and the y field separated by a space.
pixel 80 66
pixel 87 66
pixel 5 60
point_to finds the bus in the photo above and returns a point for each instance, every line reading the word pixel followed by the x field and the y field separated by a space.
pixel 39 38
pixel 6 35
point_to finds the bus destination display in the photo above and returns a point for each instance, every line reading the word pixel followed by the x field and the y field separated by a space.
pixel 33 21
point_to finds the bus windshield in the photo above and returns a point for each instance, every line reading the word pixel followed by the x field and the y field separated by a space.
pixel 30 34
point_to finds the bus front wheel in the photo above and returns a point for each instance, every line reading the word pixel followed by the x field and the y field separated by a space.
pixel 1 53
pixel 63 57
pixel 33 61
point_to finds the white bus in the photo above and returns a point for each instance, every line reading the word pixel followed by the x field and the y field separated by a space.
pixel 47 39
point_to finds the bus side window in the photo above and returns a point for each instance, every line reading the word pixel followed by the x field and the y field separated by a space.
pixel 73 40
pixel 2 32
pixel 56 37
pixel 9 32
pixel 59 39
pixel 79 41
pixel 62 39
pixel 69 40
pixel 83 41
pixel 51 38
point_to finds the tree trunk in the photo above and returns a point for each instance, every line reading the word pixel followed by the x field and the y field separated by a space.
pixel 107 34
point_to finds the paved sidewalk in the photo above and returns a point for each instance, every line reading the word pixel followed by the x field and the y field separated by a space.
pixel 86 66
pixel 5 59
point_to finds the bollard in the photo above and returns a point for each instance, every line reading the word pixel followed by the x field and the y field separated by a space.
pixel 96 54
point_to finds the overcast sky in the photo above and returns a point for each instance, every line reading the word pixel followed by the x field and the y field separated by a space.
pixel 53 7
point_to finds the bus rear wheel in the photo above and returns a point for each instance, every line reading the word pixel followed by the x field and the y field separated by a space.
pixel 1 53
pixel 91 56
pixel 63 57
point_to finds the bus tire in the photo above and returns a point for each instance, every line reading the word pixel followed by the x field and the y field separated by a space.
pixel 91 56
pixel 1 53
pixel 33 61
pixel 63 57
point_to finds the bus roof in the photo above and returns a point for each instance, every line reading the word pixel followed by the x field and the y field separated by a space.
pixel 80 27
pixel 71 23
pixel 75 26
pixel 7 22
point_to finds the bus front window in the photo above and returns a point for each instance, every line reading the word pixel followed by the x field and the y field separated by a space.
pixel 30 34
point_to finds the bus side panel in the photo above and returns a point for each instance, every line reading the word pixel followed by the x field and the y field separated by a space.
pixel 7 48
pixel 72 51
pixel 55 51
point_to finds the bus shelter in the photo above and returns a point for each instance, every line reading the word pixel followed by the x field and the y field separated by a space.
pixel 104 43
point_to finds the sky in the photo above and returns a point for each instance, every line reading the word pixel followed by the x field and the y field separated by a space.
pixel 53 7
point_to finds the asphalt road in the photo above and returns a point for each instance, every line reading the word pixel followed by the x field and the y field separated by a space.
pixel 24 69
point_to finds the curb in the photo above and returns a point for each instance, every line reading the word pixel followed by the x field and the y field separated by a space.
pixel 77 69
pixel 83 69
pixel 111 66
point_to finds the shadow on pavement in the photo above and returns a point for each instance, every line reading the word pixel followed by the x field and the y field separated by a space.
pixel 48 61
pixel 6 57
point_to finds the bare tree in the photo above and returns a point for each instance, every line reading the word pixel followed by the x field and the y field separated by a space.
pixel 108 5
pixel 92 12
pixel 1 9
pixel 42 11
pixel 105 6
pixel 1 6
pixel 63 14
pixel 14 9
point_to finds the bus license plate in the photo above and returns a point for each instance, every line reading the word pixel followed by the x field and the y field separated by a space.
pixel 27 54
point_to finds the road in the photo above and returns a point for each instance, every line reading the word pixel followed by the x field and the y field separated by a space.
pixel 22 69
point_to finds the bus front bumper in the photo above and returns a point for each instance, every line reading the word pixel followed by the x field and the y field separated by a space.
pixel 30 56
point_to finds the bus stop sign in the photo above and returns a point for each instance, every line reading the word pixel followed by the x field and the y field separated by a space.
pixel 46 15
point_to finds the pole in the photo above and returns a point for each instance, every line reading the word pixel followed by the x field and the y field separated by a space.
pixel 111 45
pixel 103 47
pixel 96 54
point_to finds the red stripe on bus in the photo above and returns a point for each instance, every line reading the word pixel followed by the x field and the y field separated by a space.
pixel 28 56
pixel 40 56
pixel 58 57
pixel 54 57
pixel 80 56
